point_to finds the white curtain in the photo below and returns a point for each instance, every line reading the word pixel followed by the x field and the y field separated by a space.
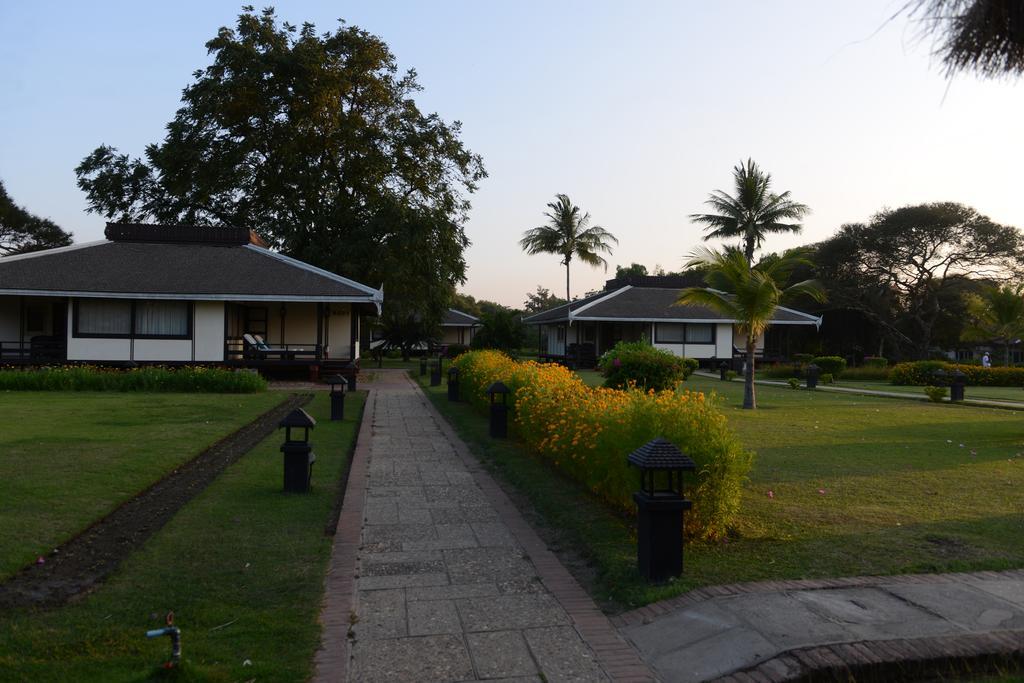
pixel 104 316
pixel 669 333
pixel 699 333
pixel 161 318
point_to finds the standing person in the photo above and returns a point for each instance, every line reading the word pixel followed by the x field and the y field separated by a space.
pixel 986 362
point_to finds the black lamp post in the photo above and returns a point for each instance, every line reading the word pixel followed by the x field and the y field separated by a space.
pixel 723 368
pixel 337 383
pixel 813 372
pixel 956 385
pixel 351 370
pixel 453 383
pixel 660 507
pixel 498 394
pixel 423 365
pixel 298 452
pixel 435 372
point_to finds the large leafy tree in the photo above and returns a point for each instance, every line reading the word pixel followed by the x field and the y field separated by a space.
pixel 315 141
pixel 752 212
pixel 996 315
pixel 22 232
pixel 541 300
pixel 568 234
pixel 749 294
pixel 908 268
pixel 983 36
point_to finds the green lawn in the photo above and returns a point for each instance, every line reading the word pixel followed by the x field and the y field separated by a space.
pixel 241 565
pixel 68 458
pixel 843 485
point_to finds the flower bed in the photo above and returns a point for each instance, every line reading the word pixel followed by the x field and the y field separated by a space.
pixel 153 378
pixel 587 433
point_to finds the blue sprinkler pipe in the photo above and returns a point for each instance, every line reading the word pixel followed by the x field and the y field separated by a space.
pixel 175 634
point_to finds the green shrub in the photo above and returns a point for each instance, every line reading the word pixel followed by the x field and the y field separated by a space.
pixel 190 379
pixel 831 365
pixel 826 378
pixel 936 394
pixel 455 350
pixel 875 362
pixel 919 373
pixel 644 365
pixel 793 382
pixel 779 371
pixel 730 375
pixel 586 433
pixel 867 374
pixel 803 357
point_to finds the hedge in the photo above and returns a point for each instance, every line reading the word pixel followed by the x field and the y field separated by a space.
pixel 830 365
pixel 188 379
pixel 919 373
pixel 587 433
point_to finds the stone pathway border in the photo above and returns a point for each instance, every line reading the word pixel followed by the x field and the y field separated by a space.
pixel 331 661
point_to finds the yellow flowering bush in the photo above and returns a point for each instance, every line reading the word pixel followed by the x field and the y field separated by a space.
pixel 588 432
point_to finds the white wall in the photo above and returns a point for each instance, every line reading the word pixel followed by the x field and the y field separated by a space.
pixel 162 349
pixel 208 330
pixel 98 349
pixel 723 340
pixel 340 331
pixel 555 347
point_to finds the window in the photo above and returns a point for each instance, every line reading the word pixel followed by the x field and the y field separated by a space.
pixel 103 318
pixel 560 334
pixel 669 333
pixel 162 319
pixel 700 333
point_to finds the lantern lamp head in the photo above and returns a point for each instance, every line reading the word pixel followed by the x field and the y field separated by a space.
pixel 498 389
pixel 337 383
pixel 657 456
pixel 296 419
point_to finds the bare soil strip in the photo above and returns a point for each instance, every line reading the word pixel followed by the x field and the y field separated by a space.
pixel 79 564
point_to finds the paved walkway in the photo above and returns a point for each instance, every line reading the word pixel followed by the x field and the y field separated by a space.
pixel 906 395
pixel 452 583
pixel 783 630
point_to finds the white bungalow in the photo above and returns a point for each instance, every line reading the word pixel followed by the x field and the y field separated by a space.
pixel 644 309
pixel 178 294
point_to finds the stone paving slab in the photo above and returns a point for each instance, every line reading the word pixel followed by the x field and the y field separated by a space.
pixel 781 631
pixel 450 583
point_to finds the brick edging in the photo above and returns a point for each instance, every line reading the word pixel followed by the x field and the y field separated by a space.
pixel 616 656
pixel 887 660
pixel 647 613
pixel 330 664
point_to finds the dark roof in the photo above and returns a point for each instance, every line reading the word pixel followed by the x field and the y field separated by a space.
pixel 650 304
pixel 559 312
pixel 453 318
pixel 206 270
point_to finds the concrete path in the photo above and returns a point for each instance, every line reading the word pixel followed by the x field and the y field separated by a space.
pixel 784 630
pixel 452 583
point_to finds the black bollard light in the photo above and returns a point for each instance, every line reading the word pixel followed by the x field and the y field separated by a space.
pixel 423 366
pixel 498 394
pixel 723 368
pixel 957 382
pixel 813 373
pixel 435 372
pixel 351 370
pixel 659 552
pixel 298 451
pixel 337 383
pixel 453 383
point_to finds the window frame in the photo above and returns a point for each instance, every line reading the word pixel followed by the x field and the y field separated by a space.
pixel 711 342
pixel 76 333
pixel 659 340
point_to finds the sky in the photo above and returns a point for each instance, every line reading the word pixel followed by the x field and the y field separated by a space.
pixel 636 110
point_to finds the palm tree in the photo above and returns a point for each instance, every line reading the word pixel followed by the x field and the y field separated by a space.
pixel 748 294
pixel 567 235
pixel 753 212
pixel 984 36
pixel 996 315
